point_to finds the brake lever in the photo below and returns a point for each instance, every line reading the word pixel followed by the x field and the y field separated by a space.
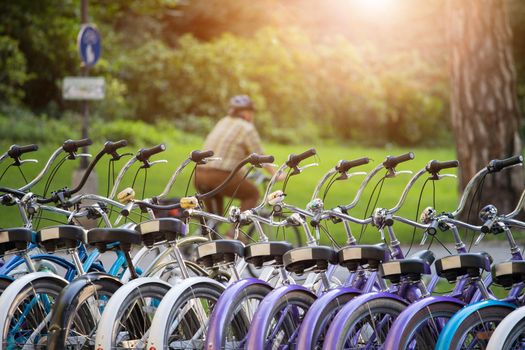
pixel 87 155
pixel 441 176
pixel 480 237
pixel 307 166
pixel 211 159
pixel 403 172
pixel 150 164
pixel 28 161
pixel 357 173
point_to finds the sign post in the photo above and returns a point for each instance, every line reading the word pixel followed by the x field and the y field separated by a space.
pixel 89 48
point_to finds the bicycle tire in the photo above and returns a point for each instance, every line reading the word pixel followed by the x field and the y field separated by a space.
pixel 273 329
pixel 184 313
pixel 26 309
pixel 237 311
pixel 358 322
pixel 423 328
pixel 319 319
pixel 74 318
pixel 128 314
pixel 488 318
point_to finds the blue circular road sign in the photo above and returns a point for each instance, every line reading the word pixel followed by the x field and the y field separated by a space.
pixel 89 45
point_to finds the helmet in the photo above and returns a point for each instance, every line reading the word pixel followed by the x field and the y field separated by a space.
pixel 241 103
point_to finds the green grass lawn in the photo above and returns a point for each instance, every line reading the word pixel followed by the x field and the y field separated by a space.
pixel 299 189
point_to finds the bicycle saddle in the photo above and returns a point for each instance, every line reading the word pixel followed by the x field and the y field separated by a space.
pixel 411 268
pixel 15 238
pixel 451 267
pixel 507 273
pixel 61 236
pixel 355 256
pixel 259 253
pixel 101 237
pixel 219 251
pixel 158 230
pixel 300 259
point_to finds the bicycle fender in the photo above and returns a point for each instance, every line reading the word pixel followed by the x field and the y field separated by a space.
pixel 307 328
pixel 505 329
pixel 219 315
pixel 16 287
pixel 107 321
pixel 156 337
pixel 452 325
pixel 392 339
pixel 336 328
pixel 67 303
pixel 264 310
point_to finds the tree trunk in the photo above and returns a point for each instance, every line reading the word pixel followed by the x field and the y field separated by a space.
pixel 485 114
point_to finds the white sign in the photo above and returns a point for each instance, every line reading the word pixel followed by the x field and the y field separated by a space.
pixel 83 88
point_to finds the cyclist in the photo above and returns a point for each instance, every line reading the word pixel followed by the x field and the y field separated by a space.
pixel 233 138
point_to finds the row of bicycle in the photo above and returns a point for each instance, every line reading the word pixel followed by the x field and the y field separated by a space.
pixel 182 291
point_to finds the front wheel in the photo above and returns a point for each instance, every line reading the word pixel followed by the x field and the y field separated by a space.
pixel 475 331
pixel 366 327
pixel 182 316
pixel 278 318
pixel 422 329
pixel 25 310
pixel 127 317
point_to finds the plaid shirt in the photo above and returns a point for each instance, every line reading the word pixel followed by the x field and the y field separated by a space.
pixel 232 139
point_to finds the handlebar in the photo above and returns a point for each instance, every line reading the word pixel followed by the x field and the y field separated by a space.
pixel 254 159
pixel 435 167
pixel 391 161
pixel 112 147
pixel 108 146
pixel 493 166
pixel 496 165
pixel 345 165
pixel 198 156
pixel 16 151
pixel 257 159
pixel 144 154
pixel 294 159
pixel 71 146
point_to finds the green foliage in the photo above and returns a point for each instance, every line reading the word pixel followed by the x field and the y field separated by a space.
pixel 45 33
pixel 13 71
pixel 303 90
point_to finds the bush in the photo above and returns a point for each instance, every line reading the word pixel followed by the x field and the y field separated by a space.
pixel 328 87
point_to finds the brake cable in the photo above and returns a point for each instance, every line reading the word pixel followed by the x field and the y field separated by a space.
pixel 477 193
pixel 417 214
pixel 380 181
pixel 236 189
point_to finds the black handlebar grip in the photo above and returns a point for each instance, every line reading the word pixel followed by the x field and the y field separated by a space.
pixel 392 162
pixel 262 158
pixel 144 154
pixel 197 156
pixel 73 145
pixel 16 151
pixel 110 147
pixel 295 159
pixel 497 165
pixel 435 167
pixel 345 165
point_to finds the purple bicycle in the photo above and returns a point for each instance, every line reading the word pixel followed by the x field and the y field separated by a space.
pixel 420 325
pixel 293 302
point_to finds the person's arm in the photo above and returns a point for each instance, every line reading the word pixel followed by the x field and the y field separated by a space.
pixel 253 145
